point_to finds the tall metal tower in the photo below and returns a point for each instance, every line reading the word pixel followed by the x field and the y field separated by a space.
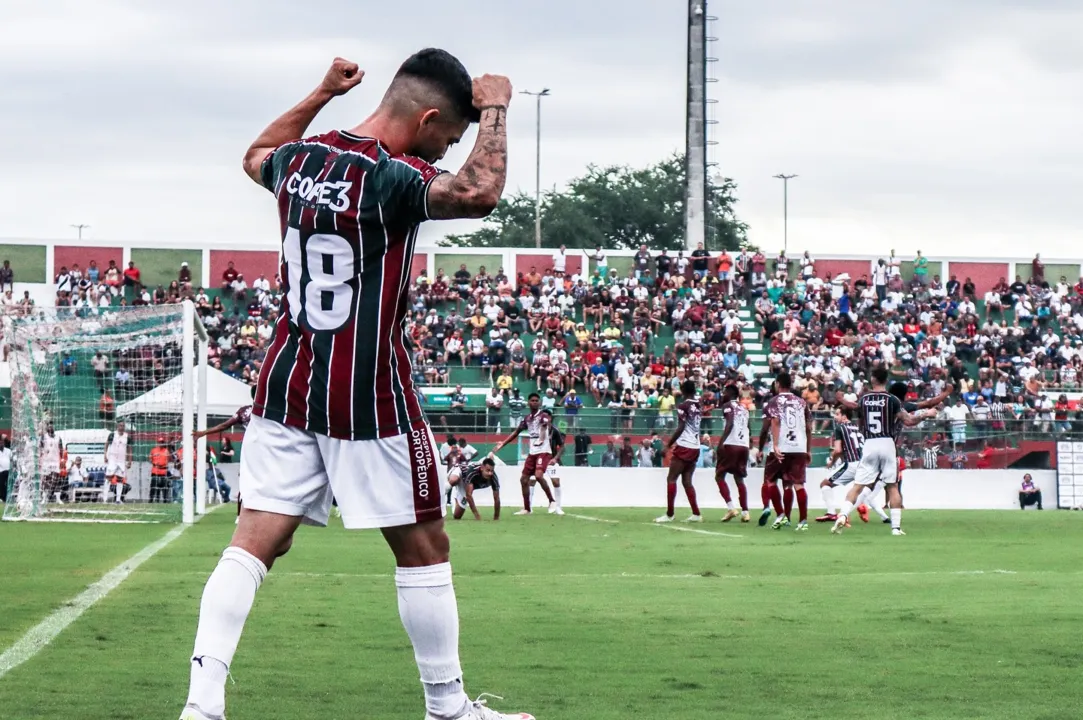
pixel 696 125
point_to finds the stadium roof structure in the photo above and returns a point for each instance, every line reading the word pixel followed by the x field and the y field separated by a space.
pixel 224 396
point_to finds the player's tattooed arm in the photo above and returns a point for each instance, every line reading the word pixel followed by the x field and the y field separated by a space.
pixel 475 190
pixel 339 80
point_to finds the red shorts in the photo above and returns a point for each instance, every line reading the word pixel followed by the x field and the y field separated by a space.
pixel 683 457
pixel 790 470
pixel 732 460
pixel 536 464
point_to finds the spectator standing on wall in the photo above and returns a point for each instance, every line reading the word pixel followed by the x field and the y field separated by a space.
pixel 879 279
pixel 600 261
pixel 642 261
pixel 7 276
pixel 560 262
pixel 93 273
pixel 894 267
pixel 1037 270
pixel 114 278
pixel 132 276
pixel 700 260
pixel 184 276
pixel 921 269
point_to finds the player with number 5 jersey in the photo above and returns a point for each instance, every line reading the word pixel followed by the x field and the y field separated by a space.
pixel 336 413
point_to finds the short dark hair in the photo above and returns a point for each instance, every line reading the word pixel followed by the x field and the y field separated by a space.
pixel 533 395
pixel 446 75
pixel 879 374
pixel 846 412
pixel 688 388
pixel 489 461
pixel 898 389
pixel 730 390
pixel 783 381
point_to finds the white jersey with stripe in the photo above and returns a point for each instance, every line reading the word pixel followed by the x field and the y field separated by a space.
pixel 793 418
pixel 537 425
pixel 739 434
pixel 690 413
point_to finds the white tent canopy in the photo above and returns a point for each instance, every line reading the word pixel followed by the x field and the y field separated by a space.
pixel 224 396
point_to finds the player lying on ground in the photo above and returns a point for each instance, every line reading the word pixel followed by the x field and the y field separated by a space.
pixel 732 455
pixel 683 447
pixel 882 417
pixel 464 479
pixel 349 207
pixel 539 426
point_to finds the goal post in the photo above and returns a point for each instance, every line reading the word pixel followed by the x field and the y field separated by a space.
pixel 104 402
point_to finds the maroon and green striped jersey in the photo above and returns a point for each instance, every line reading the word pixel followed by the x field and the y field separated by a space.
pixel 339 363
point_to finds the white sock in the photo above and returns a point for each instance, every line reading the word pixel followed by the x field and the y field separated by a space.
pixel 847 508
pixel 729 504
pixel 829 498
pixel 896 518
pixel 880 511
pixel 227 600
pixel 532 487
pixel 559 496
pixel 430 615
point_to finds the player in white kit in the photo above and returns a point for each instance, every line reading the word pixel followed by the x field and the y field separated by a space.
pixel 539 427
pixel 733 453
pixel 118 458
pixel 51 447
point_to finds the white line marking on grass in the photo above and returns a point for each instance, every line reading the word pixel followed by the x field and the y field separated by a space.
pixel 44 632
pixel 695 530
pixel 592 519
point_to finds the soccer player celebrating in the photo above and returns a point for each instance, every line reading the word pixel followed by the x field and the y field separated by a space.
pixel 539 426
pixel 336 412
pixel 791 440
pixel 733 453
pixel 882 415
pixel 684 444
pixel 468 477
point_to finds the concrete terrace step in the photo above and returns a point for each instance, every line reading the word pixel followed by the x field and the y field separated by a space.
pixel 753 346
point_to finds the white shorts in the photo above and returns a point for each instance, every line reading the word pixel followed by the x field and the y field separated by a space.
pixel 844 474
pixel 116 470
pixel 380 483
pixel 878 458
pixel 552 471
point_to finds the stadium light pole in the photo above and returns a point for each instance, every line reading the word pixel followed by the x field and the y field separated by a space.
pixel 544 92
pixel 79 229
pixel 785 210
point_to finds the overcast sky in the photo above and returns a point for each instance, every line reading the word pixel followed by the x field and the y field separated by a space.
pixel 933 124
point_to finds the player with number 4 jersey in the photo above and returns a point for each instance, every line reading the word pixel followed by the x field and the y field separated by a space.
pixel 336 413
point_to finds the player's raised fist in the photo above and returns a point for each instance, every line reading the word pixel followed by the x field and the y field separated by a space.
pixel 342 77
pixel 492 91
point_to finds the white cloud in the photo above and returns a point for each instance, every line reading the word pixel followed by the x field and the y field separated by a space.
pixel 911 123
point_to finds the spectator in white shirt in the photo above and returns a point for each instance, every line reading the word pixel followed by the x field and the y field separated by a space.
pixel 560 261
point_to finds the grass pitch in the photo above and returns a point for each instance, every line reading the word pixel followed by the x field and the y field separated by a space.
pixel 972 615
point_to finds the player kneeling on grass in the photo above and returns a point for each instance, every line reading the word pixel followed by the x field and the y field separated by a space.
pixel 464 479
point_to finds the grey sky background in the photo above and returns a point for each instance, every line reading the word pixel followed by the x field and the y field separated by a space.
pixel 946 126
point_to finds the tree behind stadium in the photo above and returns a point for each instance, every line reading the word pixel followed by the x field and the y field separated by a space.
pixel 617 207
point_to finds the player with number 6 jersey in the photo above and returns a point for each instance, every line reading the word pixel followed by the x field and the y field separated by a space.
pixel 336 413
pixel 791 437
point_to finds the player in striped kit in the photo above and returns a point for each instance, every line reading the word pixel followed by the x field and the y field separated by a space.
pixel 882 416
pixel 732 457
pixel 539 427
pixel 336 413
pixel 683 446
pixel 465 478
pixel 846 449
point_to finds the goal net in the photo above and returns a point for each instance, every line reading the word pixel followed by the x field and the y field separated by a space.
pixel 98 414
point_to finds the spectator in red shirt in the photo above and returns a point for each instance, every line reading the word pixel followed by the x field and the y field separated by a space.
pixel 132 276
pixel 229 275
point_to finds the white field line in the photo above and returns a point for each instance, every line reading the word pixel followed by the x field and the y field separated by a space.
pixel 44 632
pixel 677 576
pixel 592 519
pixel 695 530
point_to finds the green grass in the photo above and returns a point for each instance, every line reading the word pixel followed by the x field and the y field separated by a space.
pixel 574 619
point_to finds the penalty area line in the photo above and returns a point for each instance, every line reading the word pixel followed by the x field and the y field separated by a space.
pixel 695 530
pixel 44 632
pixel 590 518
